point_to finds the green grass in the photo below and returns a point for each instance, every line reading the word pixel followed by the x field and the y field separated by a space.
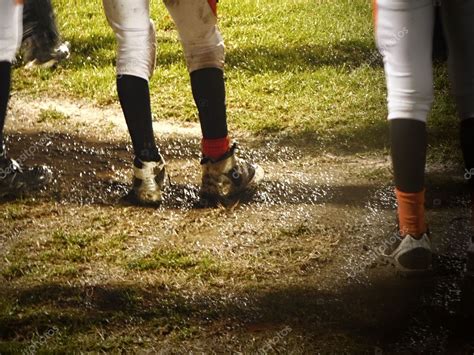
pixel 299 67
pixel 51 115
pixel 14 211
pixel 172 259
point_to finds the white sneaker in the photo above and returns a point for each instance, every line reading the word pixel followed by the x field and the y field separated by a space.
pixel 409 254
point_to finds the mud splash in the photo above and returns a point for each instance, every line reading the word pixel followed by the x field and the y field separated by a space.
pixel 306 238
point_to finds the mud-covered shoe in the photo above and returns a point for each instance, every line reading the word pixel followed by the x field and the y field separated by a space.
pixel 409 254
pixel 470 258
pixel 227 177
pixel 148 180
pixel 46 59
pixel 16 180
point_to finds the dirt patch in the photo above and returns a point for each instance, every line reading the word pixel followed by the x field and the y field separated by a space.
pixel 84 118
pixel 290 269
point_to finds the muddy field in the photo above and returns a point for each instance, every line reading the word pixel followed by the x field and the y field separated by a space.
pixel 290 269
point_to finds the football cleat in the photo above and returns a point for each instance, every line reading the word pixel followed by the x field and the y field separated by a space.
pixel 227 177
pixel 45 59
pixel 16 180
pixel 148 180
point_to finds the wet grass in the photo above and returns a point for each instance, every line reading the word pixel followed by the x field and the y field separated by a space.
pixel 171 259
pixel 82 273
pixel 307 69
pixel 14 211
pixel 109 278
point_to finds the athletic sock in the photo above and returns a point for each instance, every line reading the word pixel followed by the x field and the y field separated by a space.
pixel 467 146
pixel 134 95
pixel 408 148
pixel 209 94
pixel 215 148
pixel 5 82
pixel 411 213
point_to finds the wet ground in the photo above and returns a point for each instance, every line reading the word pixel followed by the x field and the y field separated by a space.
pixel 291 269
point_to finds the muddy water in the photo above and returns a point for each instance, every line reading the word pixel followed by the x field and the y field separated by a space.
pixel 303 193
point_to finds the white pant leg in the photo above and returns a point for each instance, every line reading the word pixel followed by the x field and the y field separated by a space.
pixel 135 33
pixel 404 32
pixel 458 18
pixel 197 26
pixel 11 24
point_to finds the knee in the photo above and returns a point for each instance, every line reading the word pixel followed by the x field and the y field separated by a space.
pixel 412 103
pixel 205 52
pixel 136 53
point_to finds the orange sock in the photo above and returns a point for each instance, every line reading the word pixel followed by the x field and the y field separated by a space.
pixel 215 148
pixel 411 213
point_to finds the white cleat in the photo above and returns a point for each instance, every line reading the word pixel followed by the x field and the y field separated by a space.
pixel 148 180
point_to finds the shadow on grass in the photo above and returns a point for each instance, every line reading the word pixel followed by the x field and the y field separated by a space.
pixel 379 314
pixel 260 59
pixel 360 137
pixel 253 59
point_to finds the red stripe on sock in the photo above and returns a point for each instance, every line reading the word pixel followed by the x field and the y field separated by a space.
pixel 215 148
pixel 213 5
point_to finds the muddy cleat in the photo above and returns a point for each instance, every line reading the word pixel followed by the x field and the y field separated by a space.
pixel 227 177
pixel 44 59
pixel 148 180
pixel 410 255
pixel 470 258
pixel 16 180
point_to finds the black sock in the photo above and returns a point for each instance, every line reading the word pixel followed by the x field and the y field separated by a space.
pixel 408 140
pixel 134 95
pixel 209 94
pixel 440 46
pixel 5 82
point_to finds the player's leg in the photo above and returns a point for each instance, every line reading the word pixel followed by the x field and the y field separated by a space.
pixel 404 30
pixel 440 48
pixel 224 174
pixel 41 42
pixel 135 35
pixel 10 25
pixel 458 16
pixel 13 178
